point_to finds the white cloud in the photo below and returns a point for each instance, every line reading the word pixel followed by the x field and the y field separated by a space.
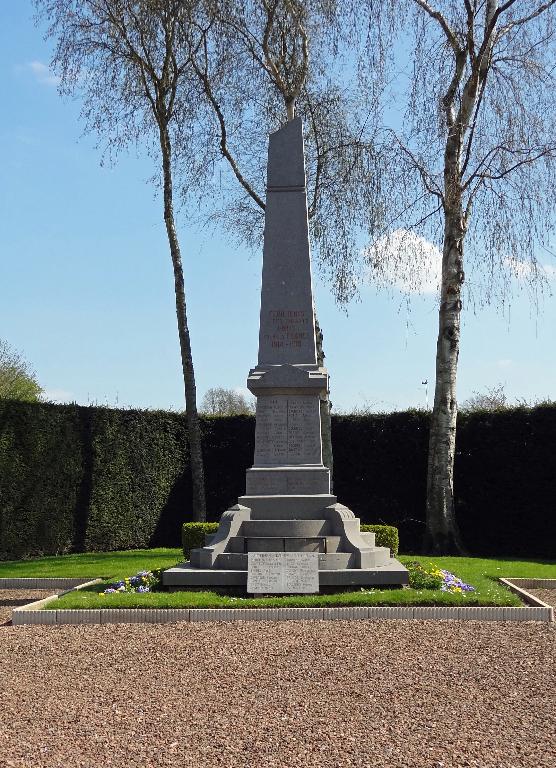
pixel 58 396
pixel 504 363
pixel 406 261
pixel 42 73
pixel 523 270
pixel 242 391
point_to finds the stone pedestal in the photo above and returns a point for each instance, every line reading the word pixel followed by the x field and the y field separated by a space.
pixel 287 506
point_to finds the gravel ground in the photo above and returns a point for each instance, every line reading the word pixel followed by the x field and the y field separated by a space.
pixel 9 598
pixel 411 694
pixel 548 596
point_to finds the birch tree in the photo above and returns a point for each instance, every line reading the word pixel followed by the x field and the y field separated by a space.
pixel 474 171
pixel 130 62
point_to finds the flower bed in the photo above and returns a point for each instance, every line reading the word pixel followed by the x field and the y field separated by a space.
pixel 144 581
pixel 433 577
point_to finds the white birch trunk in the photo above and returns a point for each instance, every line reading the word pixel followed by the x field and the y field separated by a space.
pixel 442 535
pixel 192 416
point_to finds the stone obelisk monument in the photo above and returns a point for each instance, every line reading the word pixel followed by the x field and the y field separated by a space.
pixel 287 505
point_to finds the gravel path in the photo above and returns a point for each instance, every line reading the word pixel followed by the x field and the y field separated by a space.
pixel 395 694
pixel 9 598
pixel 548 596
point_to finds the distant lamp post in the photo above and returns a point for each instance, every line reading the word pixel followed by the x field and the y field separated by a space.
pixel 426 385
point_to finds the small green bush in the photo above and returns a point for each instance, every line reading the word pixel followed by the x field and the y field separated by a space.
pixel 385 536
pixel 193 535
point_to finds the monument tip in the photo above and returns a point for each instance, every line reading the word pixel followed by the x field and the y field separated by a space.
pixel 286 164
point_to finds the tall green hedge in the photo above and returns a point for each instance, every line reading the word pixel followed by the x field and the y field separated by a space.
pixel 86 479
pixel 77 479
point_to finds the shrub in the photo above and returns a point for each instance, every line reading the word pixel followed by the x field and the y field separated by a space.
pixel 385 536
pixel 193 535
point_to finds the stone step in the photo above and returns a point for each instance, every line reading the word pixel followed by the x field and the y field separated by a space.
pixel 333 543
pixel 335 561
pixel 242 544
pixel 285 543
pixel 236 544
pixel 380 557
pixel 295 507
pixel 184 576
pixel 234 561
pixel 284 528
pixel 368 538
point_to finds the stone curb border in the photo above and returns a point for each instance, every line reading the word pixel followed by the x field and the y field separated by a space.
pixel 31 613
pixel 517 586
pixel 19 614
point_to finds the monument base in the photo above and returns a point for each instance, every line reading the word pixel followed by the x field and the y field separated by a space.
pixel 346 555
pixel 184 576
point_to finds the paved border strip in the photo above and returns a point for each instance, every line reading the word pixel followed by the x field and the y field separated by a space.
pixel 517 586
pixel 30 613
pixel 530 583
pixel 33 615
pixel 536 610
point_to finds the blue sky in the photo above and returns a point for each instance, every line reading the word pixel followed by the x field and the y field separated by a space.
pixel 87 288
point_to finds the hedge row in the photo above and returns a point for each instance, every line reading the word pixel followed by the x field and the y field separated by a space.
pixel 193 535
pixel 80 479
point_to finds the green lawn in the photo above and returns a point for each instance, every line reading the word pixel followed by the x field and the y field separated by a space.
pixel 104 565
pixel 111 566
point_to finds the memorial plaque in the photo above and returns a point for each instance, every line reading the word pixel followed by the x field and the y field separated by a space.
pixel 271 431
pixel 265 572
pixel 288 430
pixel 282 573
pixel 304 439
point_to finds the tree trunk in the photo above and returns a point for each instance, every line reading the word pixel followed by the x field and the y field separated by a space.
pixel 442 535
pixel 193 425
pixel 325 419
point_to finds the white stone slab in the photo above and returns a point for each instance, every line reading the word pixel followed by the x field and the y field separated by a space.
pixel 282 573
